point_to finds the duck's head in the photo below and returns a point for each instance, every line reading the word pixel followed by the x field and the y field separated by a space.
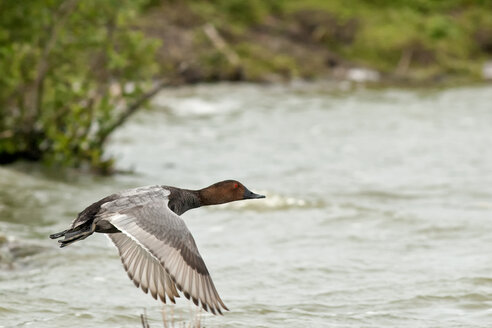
pixel 225 192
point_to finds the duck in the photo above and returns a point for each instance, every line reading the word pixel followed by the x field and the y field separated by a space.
pixel 156 248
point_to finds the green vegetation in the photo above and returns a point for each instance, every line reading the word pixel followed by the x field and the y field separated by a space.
pixel 420 40
pixel 72 71
pixel 423 38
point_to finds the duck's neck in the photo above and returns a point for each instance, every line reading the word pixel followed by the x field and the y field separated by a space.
pixel 182 200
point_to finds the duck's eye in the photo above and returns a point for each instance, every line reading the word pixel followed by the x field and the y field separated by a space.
pixel 235 185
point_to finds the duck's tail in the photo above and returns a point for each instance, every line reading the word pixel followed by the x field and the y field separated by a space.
pixel 75 234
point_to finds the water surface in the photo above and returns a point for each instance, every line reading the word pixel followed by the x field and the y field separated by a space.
pixel 378 211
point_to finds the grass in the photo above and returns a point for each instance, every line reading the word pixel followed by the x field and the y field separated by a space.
pixel 169 319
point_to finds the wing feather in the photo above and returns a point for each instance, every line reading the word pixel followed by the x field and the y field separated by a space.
pixel 135 268
pixel 161 284
pixel 171 289
pixel 142 273
pixel 132 254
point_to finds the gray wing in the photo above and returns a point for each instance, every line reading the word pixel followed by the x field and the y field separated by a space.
pixel 157 249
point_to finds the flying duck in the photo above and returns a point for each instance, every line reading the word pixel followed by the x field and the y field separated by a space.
pixel 156 248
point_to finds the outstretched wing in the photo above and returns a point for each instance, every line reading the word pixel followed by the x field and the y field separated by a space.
pixel 156 246
pixel 135 258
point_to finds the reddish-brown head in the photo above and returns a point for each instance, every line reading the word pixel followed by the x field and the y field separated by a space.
pixel 225 192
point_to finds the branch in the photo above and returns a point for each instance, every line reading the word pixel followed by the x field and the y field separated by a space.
pixel 143 320
pixel 132 108
pixel 65 9
pixel 220 44
pixel 404 62
pixel 104 77
pixel 6 134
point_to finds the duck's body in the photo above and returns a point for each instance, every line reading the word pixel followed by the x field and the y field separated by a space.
pixel 155 246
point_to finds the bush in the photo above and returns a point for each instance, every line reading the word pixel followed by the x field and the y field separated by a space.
pixel 70 72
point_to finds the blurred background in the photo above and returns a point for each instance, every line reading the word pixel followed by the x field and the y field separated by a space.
pixel 367 123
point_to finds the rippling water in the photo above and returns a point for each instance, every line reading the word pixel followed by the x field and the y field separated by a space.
pixel 378 211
